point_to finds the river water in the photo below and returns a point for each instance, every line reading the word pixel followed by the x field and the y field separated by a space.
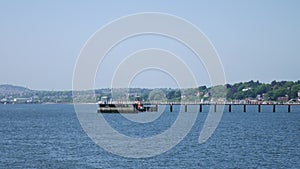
pixel 50 136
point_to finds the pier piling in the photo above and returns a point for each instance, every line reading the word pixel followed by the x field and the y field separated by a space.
pixel 259 109
pixel 154 106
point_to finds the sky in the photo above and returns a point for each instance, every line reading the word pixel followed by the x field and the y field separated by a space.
pixel 40 41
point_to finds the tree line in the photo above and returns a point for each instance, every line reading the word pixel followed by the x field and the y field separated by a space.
pixel 237 91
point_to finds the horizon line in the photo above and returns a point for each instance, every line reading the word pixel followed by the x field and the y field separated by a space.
pixel 101 88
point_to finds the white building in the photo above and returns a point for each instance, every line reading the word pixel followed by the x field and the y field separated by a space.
pixel 21 100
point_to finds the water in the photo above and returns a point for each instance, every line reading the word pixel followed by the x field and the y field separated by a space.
pixel 50 136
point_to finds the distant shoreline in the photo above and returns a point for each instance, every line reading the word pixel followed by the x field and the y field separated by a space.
pixel 251 92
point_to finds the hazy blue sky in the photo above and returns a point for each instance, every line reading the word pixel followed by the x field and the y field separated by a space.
pixel 40 40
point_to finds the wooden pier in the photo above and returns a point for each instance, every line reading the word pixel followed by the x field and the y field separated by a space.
pixel 230 106
pixel 153 107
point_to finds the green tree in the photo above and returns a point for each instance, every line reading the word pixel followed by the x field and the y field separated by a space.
pixel 294 90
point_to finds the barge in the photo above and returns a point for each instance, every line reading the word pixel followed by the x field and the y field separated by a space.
pixel 106 106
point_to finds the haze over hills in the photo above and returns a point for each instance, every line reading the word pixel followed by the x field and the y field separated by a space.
pixel 12 93
pixel 7 89
pixel 281 91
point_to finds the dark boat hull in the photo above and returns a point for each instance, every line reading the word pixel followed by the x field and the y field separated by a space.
pixel 124 108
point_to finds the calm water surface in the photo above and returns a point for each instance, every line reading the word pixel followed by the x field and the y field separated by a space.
pixel 50 136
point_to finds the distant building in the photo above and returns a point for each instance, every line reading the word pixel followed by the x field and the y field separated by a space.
pixel 199 93
pixel 246 89
pixel 4 100
pixel 283 99
pixel 299 93
pixel 21 100
pixel 259 98
pixel 207 94
pixel 252 101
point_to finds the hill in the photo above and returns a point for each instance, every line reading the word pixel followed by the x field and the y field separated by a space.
pixel 12 90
